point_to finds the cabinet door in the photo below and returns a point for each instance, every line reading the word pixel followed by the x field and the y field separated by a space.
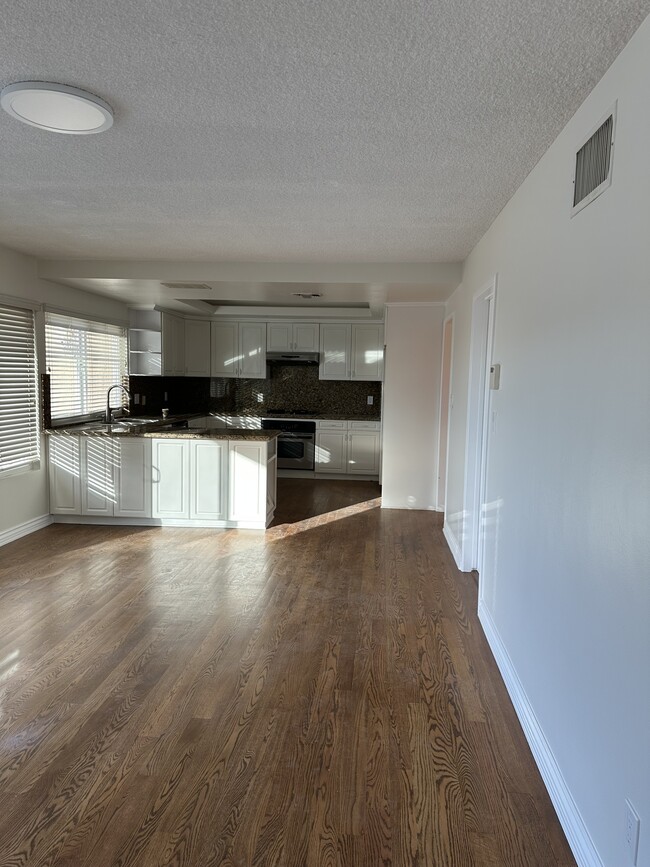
pixel 252 350
pixel 279 337
pixel 97 476
pixel 208 473
pixel 179 346
pixel 133 478
pixel 224 356
pixel 170 477
pixel 305 337
pixel 64 469
pixel 247 481
pixel 168 344
pixel 271 484
pixel 331 450
pixel 367 352
pixel 363 452
pixel 334 352
pixel 197 348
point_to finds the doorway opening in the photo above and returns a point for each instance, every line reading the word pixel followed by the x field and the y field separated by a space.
pixel 478 426
pixel 445 409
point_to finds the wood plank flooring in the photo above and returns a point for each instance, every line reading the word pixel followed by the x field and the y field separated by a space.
pixel 319 694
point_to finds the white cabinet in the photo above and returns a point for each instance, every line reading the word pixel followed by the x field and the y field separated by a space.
pixel 354 352
pixel 238 349
pixel 348 447
pixel 247 487
pixel 292 336
pixel 99 476
pixel 64 469
pixel 197 347
pixel 363 452
pixel 331 451
pixel 334 351
pixel 144 343
pixel 132 478
pixel 229 482
pixel 207 475
pixel 173 345
pixel 170 478
pixel 367 348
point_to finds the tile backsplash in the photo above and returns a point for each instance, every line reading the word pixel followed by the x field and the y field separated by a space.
pixel 294 387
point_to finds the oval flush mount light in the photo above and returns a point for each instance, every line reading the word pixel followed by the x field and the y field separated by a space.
pixel 56 107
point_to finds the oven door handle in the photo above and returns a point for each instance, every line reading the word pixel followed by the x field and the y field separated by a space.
pixel 293 436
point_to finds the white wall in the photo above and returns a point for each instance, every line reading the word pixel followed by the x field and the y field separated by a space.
pixel 566 580
pixel 24 497
pixel 410 405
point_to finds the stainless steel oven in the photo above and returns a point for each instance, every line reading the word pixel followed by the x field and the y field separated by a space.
pixel 296 443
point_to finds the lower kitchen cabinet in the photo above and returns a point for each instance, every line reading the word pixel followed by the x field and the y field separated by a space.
pixel 348 447
pixel 133 478
pixel 227 481
pixel 99 476
pixel 186 482
pixel 207 475
pixel 64 469
pixel 188 479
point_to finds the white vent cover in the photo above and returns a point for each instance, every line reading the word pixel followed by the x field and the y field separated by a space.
pixel 200 287
pixel 593 164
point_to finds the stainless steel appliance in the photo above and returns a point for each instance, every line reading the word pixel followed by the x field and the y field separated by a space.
pixel 296 443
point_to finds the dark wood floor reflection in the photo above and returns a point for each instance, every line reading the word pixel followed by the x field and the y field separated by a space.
pixel 318 695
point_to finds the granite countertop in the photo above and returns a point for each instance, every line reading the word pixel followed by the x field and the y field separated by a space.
pixel 162 428
pixel 213 434
pixel 311 417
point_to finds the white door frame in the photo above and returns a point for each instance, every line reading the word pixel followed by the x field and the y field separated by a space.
pixel 442 506
pixel 478 409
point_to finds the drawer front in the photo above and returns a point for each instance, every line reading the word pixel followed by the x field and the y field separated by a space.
pixel 365 425
pixel 332 425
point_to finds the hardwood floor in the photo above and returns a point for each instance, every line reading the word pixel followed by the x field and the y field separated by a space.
pixel 321 694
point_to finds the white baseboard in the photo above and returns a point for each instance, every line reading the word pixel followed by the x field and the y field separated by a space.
pixel 25 529
pixel 454 547
pixel 576 831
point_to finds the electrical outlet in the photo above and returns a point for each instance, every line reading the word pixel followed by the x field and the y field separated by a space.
pixel 136 400
pixel 165 399
pixel 371 400
pixel 144 399
pixel 632 830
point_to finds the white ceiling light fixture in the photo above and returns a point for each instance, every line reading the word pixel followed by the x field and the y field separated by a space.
pixel 56 107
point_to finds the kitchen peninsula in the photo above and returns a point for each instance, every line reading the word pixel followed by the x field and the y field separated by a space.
pixel 154 474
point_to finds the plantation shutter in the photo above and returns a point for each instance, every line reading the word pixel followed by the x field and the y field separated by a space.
pixel 84 358
pixel 19 432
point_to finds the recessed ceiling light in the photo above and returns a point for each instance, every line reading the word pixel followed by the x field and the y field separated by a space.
pixel 56 107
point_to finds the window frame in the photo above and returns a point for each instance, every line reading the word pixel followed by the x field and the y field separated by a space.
pixel 34 462
pixel 89 320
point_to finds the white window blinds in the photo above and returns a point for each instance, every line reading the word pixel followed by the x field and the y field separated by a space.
pixel 84 359
pixel 19 433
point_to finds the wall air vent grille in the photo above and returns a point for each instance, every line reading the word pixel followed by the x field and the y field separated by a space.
pixel 593 166
pixel 200 287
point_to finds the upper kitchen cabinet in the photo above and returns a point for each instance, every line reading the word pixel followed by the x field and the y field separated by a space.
pixel 367 352
pixel 354 352
pixel 292 337
pixel 238 349
pixel 197 347
pixel 145 347
pixel 173 345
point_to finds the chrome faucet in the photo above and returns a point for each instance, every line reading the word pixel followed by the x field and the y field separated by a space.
pixel 109 411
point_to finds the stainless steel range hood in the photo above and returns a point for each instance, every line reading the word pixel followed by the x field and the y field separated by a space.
pixel 292 358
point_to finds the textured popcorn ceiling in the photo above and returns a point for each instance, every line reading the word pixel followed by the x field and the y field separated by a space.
pixel 292 130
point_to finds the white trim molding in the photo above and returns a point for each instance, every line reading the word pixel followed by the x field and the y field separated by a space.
pixel 576 831
pixel 454 546
pixel 24 529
